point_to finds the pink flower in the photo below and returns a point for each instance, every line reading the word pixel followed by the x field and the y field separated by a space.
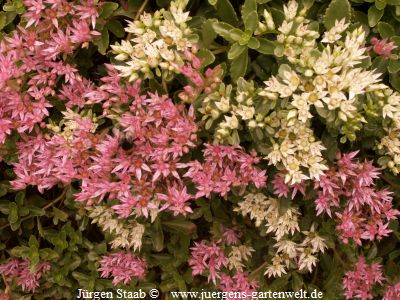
pixel 19 269
pixel 230 236
pixel 176 200
pixel 392 292
pixel 382 47
pixel 281 189
pixel 122 267
pixel 224 168
pixel 348 189
pixel 81 32
pixel 359 283
pixel 238 283
pixel 207 258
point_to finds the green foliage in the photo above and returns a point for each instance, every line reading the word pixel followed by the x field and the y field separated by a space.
pixel 52 227
pixel 337 10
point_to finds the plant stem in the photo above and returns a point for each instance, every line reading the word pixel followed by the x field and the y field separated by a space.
pixel 44 207
pixel 138 13
pixel 165 86
pixel 219 50
pixel 256 271
pixel 394 185
pixel 141 9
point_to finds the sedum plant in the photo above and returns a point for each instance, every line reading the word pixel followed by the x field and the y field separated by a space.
pixel 222 146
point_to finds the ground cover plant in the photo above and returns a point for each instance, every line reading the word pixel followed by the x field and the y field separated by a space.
pixel 187 145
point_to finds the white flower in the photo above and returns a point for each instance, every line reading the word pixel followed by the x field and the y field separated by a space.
pixel 230 122
pixel 269 20
pixel 275 155
pixel 245 112
pixel 312 239
pixel 287 247
pixel 290 11
pixel 334 33
pixel 307 260
pixel 223 105
pixel 276 269
pixel 178 14
pixel 238 255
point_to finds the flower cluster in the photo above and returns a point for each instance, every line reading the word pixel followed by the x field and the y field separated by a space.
pixel 208 258
pixel 348 188
pixel 125 234
pixel 327 82
pixel 239 283
pixel 267 210
pixel 224 168
pixel 238 255
pixel 282 189
pixel 199 83
pixel 359 283
pixel 59 156
pixel 389 145
pixel 228 111
pixel 214 259
pixel 392 292
pixel 33 59
pixel 161 43
pixel 122 267
pixel 303 254
pixel 296 150
pixel 382 47
pixel 138 164
pixel 19 269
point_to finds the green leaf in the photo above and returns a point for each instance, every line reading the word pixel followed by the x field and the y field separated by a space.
pixel 59 214
pixel 23 211
pixel 20 197
pixel 394 66
pixel 251 21
pixel 266 46
pixel 103 41
pixel 253 43
pixel 116 28
pixel 277 15
pixel 385 30
pixel 245 38
pixel 380 4
pixel 36 211
pixel 223 30
pixel 3 20
pixel 235 34
pixel 239 66
pixel 248 7
pixel 337 10
pixel 380 64
pixel 226 12
pixel 208 33
pixel 394 80
pixel 374 15
pixel 12 212
pixel 157 236
pixel 180 225
pixel 396 40
pixel 20 251
pixel 3 190
pixel 235 51
pixel 206 56
pixel 107 9
pixel 373 251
